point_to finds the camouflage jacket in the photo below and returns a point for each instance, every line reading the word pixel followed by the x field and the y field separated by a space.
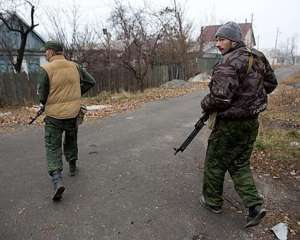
pixel 239 87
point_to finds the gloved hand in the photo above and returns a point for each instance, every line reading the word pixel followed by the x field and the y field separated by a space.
pixel 40 111
pixel 41 108
pixel 81 114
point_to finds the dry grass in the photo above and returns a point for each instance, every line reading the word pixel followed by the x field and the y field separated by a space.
pixel 150 94
pixel 279 136
pixel 276 66
pixel 277 149
pixel 293 79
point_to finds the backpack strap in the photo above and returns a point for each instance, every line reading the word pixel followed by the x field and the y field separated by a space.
pixel 250 60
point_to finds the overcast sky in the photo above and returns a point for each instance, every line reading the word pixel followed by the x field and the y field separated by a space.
pixel 268 15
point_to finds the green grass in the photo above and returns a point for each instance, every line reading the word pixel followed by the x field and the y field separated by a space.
pixel 259 144
pixel 279 135
pixel 280 144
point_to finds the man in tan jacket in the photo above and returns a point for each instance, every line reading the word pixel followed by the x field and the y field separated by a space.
pixel 60 86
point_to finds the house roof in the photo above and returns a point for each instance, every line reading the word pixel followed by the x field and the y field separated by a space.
pixel 208 32
pixel 14 14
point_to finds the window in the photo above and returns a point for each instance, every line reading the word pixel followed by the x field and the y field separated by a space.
pixel 3 66
pixel 33 64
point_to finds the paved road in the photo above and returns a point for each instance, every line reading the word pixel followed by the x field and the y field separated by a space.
pixel 130 185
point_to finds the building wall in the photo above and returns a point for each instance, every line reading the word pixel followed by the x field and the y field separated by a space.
pixel 249 40
pixel 12 39
pixel 10 42
pixel 31 63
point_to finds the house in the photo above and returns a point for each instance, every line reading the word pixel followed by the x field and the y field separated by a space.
pixel 10 42
pixel 207 40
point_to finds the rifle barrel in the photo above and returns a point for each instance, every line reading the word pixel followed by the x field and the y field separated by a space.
pixel 198 126
pixel 187 141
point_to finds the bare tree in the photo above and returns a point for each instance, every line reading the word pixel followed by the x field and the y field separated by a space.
pixel 176 35
pixel 293 49
pixel 139 34
pixel 288 50
pixel 75 38
pixel 14 24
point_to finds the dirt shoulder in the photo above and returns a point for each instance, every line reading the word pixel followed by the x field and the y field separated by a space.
pixel 276 158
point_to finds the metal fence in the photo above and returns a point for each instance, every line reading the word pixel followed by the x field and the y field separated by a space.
pixel 206 64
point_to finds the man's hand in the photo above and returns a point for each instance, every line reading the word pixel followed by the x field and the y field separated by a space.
pixel 41 108
pixel 38 113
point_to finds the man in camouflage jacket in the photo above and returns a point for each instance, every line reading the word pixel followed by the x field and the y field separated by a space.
pixel 238 93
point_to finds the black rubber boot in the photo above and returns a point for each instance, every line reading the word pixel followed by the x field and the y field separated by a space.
pixel 57 186
pixel 256 214
pixel 72 168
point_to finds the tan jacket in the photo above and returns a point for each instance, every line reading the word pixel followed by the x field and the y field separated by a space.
pixel 64 88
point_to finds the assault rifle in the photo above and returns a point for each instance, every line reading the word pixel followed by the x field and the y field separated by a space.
pixel 198 126
pixel 39 113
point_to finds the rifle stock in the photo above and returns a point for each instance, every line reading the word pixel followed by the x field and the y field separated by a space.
pixel 198 126
pixel 39 113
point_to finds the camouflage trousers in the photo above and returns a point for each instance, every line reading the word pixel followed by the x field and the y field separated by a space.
pixel 54 129
pixel 229 149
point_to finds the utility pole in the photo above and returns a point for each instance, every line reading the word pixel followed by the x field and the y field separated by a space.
pixel 275 49
pixel 257 42
pixel 108 43
pixel 108 50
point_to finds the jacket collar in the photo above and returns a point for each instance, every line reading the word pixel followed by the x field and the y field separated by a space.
pixel 239 45
pixel 56 57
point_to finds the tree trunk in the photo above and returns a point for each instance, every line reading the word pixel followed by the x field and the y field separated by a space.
pixel 21 50
pixel 140 82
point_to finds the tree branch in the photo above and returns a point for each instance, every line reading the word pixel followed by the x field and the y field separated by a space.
pixel 32 26
pixel 9 27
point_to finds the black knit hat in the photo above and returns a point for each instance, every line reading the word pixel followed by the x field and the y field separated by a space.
pixel 231 31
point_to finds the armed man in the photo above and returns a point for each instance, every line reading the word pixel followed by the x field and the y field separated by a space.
pixel 60 86
pixel 238 93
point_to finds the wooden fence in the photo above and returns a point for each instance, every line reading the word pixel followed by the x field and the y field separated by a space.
pixel 116 78
pixel 20 89
pixel 17 89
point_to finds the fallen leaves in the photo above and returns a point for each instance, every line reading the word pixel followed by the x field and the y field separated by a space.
pixel 12 118
pixel 125 101
pixel 285 170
